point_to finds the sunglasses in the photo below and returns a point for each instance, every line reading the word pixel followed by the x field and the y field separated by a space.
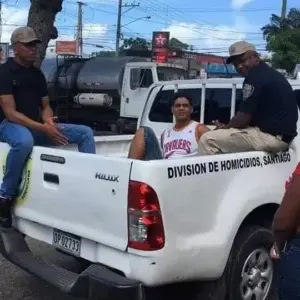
pixel 30 44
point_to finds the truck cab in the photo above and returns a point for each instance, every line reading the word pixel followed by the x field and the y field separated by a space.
pixel 138 77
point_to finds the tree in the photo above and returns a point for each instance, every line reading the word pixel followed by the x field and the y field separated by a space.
pixel 41 18
pixel 137 43
pixel 104 53
pixel 277 24
pixel 286 49
pixel 176 44
pixel 283 39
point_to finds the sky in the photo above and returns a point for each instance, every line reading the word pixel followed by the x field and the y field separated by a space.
pixel 210 26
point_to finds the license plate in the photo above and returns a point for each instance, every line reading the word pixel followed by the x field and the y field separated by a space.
pixel 67 242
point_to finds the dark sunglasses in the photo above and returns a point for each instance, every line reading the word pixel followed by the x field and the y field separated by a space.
pixel 30 44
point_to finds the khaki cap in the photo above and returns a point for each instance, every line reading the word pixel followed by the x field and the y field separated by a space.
pixel 24 35
pixel 239 48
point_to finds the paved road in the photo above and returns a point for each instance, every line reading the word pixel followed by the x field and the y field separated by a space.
pixel 18 285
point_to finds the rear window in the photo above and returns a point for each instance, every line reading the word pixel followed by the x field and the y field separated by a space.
pixel 168 74
pixel 217 105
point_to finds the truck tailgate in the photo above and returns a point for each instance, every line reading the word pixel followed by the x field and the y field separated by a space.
pixel 81 194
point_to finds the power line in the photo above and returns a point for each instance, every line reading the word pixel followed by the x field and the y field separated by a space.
pixel 199 29
pixel 216 10
pixel 179 25
pixel 119 20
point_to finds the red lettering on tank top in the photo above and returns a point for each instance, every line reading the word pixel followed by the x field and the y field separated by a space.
pixel 178 144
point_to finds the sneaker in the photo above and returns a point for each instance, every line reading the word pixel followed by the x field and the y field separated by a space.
pixel 5 212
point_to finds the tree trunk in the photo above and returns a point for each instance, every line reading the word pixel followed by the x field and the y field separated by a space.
pixel 41 18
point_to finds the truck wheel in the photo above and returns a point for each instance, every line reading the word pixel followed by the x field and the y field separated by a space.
pixel 251 270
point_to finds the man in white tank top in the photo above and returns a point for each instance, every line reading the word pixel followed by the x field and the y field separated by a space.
pixel 179 141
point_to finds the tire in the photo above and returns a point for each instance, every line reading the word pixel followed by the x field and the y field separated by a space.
pixel 250 258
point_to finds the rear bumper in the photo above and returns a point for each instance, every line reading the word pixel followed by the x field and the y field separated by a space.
pixel 96 282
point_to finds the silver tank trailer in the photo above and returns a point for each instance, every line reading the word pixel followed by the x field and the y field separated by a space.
pixel 99 81
pixel 104 73
pixel 58 84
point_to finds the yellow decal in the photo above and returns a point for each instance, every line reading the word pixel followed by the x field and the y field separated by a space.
pixel 25 181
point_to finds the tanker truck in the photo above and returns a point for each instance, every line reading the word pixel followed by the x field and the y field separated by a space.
pixel 106 93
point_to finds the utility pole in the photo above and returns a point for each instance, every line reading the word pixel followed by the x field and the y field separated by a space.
pixel 283 9
pixel 118 35
pixel 79 27
pixel 119 22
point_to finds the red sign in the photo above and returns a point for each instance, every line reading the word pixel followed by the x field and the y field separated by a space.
pixel 66 47
pixel 160 40
pixel 160 58
pixel 160 46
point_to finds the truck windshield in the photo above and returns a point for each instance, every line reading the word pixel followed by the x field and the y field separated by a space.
pixel 168 73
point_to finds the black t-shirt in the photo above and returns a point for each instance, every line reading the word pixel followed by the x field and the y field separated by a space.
pixel 270 99
pixel 27 85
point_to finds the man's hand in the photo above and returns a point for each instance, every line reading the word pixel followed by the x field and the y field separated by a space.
pixel 53 133
pixel 218 124
pixel 274 253
pixel 51 121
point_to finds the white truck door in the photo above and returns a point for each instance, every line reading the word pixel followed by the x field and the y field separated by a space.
pixel 136 82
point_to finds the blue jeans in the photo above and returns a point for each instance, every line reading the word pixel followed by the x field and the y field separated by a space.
pixel 152 147
pixel 289 271
pixel 21 140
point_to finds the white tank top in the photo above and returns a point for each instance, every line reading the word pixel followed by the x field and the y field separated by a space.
pixel 181 143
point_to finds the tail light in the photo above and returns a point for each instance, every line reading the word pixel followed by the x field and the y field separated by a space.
pixel 145 225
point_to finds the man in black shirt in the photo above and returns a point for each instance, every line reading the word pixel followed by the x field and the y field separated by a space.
pixel 26 118
pixel 268 115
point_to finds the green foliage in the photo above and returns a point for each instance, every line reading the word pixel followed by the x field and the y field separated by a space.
pixel 283 39
pixel 104 53
pixel 140 43
pixel 137 43
pixel 176 44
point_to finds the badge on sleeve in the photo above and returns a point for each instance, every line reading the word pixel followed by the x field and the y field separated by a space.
pixel 248 90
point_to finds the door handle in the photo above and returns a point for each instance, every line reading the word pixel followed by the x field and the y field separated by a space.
pixel 52 178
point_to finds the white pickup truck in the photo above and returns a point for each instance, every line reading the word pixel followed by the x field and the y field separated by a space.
pixel 204 220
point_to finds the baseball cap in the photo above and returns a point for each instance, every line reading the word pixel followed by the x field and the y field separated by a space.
pixel 239 48
pixel 24 35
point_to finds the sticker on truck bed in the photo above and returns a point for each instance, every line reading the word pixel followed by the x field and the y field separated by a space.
pixel 227 165
pixel 25 180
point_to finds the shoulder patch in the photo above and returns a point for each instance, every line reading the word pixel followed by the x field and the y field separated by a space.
pixel 248 90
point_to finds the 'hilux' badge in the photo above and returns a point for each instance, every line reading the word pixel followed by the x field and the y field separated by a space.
pixel 107 177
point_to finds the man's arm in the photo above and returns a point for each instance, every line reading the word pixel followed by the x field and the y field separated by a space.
pixel 8 103
pixel 251 97
pixel 287 217
pixel 200 129
pixel 46 110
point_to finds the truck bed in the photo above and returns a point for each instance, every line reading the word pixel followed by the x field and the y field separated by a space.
pixel 108 145
pixel 79 203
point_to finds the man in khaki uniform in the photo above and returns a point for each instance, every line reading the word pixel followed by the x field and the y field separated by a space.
pixel 267 117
